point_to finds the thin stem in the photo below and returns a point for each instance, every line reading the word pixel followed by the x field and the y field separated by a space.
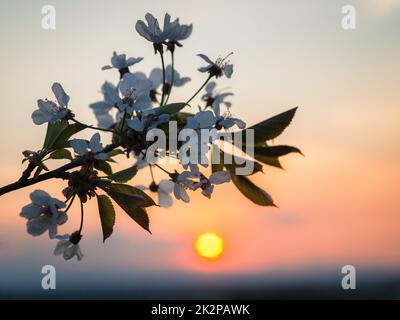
pixel 201 88
pixel 163 73
pixel 59 173
pixel 81 226
pixel 151 172
pixel 172 75
pixel 92 127
pixel 159 167
pixel 70 204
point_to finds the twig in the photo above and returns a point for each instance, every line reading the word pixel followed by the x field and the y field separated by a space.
pixel 59 173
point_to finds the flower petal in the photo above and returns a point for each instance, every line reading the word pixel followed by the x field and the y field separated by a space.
pixel 132 61
pixel 60 94
pixel 228 70
pixel 205 58
pixel 94 143
pixel 38 226
pixel 164 199
pixel 80 146
pixel 30 211
pixel 61 246
pixel 135 124
pixel 118 60
pixel 166 185
pixel 143 30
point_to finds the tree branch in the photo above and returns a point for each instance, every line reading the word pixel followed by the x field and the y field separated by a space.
pixel 59 173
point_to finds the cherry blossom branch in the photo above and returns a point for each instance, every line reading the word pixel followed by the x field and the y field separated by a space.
pixel 59 173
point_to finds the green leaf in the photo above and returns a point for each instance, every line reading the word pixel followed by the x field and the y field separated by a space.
pixel 124 175
pixel 104 166
pixel 251 191
pixel 276 151
pixel 115 152
pixel 61 154
pixel 59 132
pixel 271 161
pixel 107 215
pixel 257 167
pixel 169 108
pixel 147 201
pixel 53 131
pixel 140 216
pixel 66 134
pixel 271 128
pixel 270 155
pixel 132 201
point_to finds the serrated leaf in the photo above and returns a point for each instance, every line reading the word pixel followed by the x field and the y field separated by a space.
pixel 104 166
pixel 169 108
pixel 147 201
pixel 53 131
pixel 67 133
pixel 124 175
pixel 251 191
pixel 271 128
pixel 141 217
pixel 132 201
pixel 59 132
pixel 107 215
pixel 61 154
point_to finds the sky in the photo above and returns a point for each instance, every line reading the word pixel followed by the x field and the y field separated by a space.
pixel 338 205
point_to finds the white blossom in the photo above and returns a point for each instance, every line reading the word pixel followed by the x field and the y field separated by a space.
pixel 119 61
pixel 216 178
pixel 67 249
pixel 163 189
pixel 217 68
pixel 180 32
pixel 50 111
pixel 83 147
pixel 201 120
pixel 152 31
pixel 103 108
pixel 135 90
pixel 156 77
pixel 183 181
pixel 226 121
pixel 215 99
pixel 43 214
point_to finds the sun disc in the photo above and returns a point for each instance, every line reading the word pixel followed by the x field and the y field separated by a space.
pixel 209 245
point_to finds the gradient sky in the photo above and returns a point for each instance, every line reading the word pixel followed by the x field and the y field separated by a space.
pixel 338 205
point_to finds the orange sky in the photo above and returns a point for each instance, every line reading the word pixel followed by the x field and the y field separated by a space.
pixel 337 205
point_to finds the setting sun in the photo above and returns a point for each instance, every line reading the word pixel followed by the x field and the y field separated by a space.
pixel 209 245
